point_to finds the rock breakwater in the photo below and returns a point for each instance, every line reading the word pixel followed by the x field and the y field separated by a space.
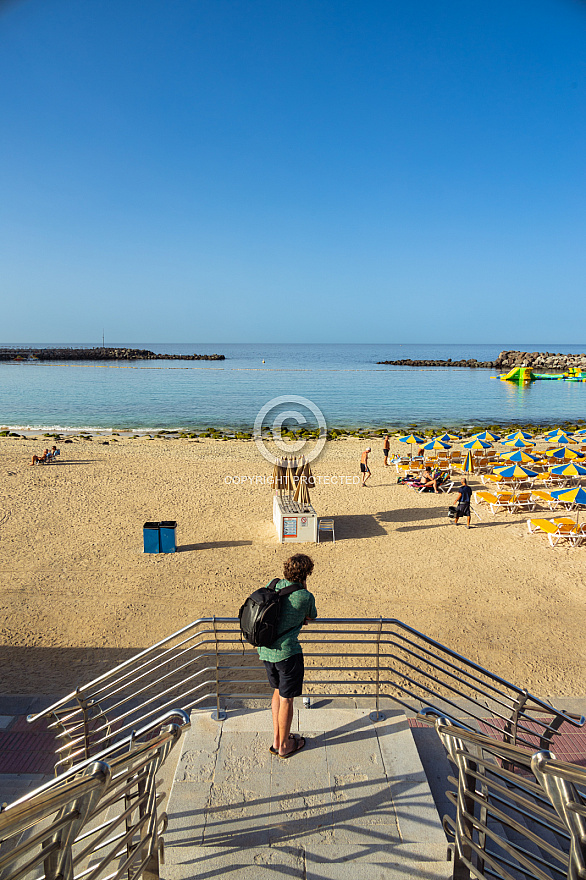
pixel 99 354
pixel 506 361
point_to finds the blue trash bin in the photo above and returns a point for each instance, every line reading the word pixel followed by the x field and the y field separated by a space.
pixel 167 531
pixel 150 532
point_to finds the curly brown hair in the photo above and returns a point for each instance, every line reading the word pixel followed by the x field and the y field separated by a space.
pixel 298 567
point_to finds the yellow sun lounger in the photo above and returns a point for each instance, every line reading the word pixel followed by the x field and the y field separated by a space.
pixel 548 525
pixel 502 501
pixel 540 496
pixel 574 533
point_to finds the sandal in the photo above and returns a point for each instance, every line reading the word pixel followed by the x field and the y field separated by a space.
pixel 299 744
pixel 275 751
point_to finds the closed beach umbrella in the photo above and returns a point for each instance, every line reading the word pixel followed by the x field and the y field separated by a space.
pixel 289 482
pixel 436 444
pixel 514 472
pixel 488 435
pixel 302 488
pixel 563 453
pixel 411 439
pixel 519 443
pixel 469 463
pixel 516 435
pixel 576 495
pixel 571 469
pixel 519 455
pixel 476 443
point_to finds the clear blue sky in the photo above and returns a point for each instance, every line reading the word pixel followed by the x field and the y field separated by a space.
pixel 312 170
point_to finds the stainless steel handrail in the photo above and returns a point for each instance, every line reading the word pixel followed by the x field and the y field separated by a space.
pixel 99 819
pixel 207 665
pixel 518 814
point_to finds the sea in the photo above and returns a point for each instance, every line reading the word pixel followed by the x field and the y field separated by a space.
pixel 343 382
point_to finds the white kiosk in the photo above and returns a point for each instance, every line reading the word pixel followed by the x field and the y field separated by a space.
pixel 294 521
pixel 293 515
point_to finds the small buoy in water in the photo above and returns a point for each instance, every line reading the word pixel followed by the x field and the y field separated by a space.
pixel 263 362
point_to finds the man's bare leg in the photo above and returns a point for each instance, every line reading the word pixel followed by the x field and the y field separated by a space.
pixel 275 711
pixel 285 718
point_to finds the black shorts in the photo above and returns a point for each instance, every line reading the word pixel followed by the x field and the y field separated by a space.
pixel 463 509
pixel 287 675
pixel 364 468
pixel 386 452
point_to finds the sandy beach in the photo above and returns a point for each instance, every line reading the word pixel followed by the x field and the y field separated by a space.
pixel 78 594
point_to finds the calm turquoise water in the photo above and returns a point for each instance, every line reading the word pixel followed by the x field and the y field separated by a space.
pixel 344 381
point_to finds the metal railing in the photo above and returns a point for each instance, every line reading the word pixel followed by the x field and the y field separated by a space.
pixel 519 815
pixel 206 665
pixel 98 821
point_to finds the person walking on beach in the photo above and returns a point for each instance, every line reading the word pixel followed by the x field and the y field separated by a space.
pixel 463 502
pixel 283 659
pixel 386 449
pixel 364 469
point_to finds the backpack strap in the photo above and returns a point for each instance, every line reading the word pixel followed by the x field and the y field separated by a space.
pixel 292 588
pixel 285 591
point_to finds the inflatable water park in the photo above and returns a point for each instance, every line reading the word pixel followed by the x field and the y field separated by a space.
pixel 524 375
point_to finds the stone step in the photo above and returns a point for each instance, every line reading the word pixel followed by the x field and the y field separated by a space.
pixel 356 799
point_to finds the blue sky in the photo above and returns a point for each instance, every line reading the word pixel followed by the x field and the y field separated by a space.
pixel 332 170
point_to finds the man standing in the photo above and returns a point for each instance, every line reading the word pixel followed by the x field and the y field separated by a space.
pixel 283 659
pixel 364 469
pixel 463 502
pixel 386 449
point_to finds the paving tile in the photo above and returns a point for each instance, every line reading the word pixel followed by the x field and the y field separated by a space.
pixel 417 817
pixel 244 864
pixel 239 803
pixel 300 794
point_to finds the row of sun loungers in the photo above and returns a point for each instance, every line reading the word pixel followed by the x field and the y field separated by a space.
pixel 559 528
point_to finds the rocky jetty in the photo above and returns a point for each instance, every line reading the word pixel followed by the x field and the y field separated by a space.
pixel 99 354
pixel 506 360
pixel 540 360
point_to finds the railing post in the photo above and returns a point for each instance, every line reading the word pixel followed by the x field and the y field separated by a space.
pixel 219 714
pixel 377 715
pixel 59 864
pixel 569 805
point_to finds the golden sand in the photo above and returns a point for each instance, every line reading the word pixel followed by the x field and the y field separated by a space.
pixel 78 594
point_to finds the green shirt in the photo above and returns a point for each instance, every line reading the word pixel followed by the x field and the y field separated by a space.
pixel 294 609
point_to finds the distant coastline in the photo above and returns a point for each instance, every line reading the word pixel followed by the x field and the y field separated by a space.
pixel 99 354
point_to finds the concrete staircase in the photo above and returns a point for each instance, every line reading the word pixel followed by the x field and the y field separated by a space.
pixel 355 803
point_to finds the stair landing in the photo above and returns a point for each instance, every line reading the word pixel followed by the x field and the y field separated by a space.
pixel 354 802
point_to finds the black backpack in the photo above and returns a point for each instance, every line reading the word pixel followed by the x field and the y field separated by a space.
pixel 259 616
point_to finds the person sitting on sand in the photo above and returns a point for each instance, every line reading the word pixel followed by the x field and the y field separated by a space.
pixel 428 481
pixel 53 453
pixel 364 469
pixel 40 459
